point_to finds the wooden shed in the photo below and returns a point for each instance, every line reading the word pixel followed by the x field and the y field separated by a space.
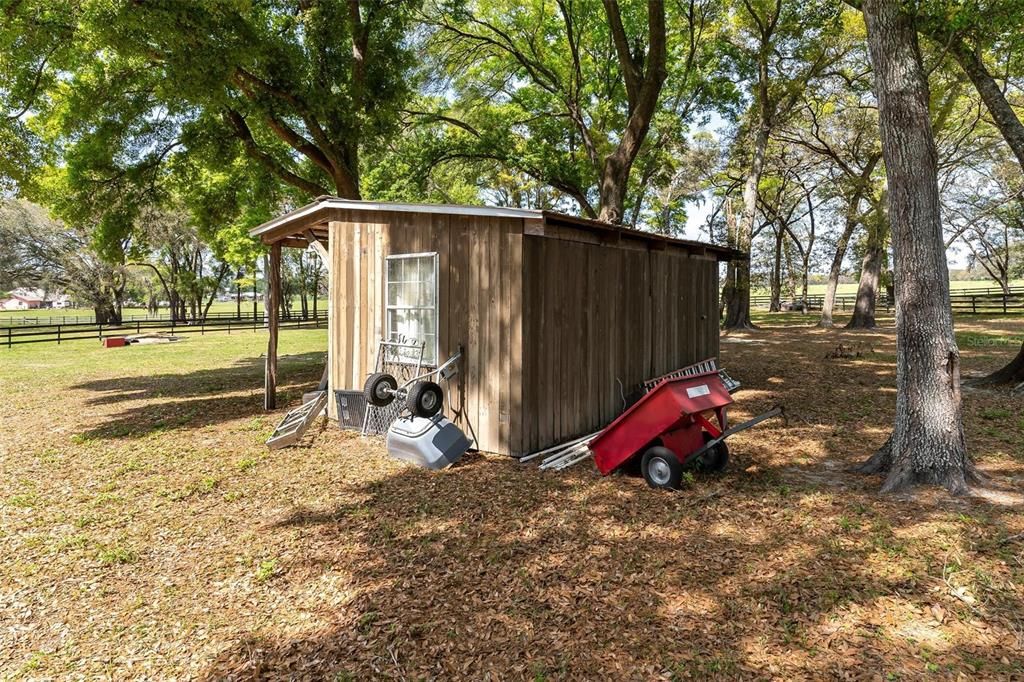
pixel 559 316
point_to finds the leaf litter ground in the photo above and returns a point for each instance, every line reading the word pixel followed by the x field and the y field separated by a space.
pixel 147 533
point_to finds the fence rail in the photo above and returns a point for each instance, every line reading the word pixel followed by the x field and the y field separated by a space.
pixel 973 302
pixel 50 320
pixel 75 331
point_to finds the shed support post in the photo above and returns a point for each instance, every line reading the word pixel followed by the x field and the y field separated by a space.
pixel 325 258
pixel 273 276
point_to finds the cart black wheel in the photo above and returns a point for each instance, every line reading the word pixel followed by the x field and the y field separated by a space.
pixel 714 459
pixel 661 468
pixel 379 389
pixel 425 399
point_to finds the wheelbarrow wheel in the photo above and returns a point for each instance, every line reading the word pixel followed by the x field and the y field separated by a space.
pixel 425 399
pixel 661 468
pixel 379 389
pixel 714 459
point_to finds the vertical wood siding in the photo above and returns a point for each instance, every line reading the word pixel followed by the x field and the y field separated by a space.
pixel 549 326
pixel 596 315
pixel 480 265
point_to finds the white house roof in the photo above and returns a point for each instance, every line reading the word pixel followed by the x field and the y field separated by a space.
pixel 28 295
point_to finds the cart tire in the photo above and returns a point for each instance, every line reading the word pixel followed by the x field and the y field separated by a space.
pixel 661 468
pixel 425 399
pixel 714 459
pixel 375 390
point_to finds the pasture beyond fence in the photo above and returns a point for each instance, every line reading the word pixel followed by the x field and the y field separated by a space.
pixel 52 318
pixel 75 331
pixel 971 302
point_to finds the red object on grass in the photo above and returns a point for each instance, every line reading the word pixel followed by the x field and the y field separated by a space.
pixel 673 412
pixel 114 341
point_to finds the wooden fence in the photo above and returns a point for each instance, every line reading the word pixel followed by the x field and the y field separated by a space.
pixel 54 319
pixel 972 302
pixel 57 333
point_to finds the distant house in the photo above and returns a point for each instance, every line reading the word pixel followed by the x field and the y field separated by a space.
pixel 32 299
pixel 24 299
pixel 62 301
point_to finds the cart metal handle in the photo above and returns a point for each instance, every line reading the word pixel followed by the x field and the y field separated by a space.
pixel 437 371
pixel 774 412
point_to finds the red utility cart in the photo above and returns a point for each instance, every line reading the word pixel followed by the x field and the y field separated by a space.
pixel 670 428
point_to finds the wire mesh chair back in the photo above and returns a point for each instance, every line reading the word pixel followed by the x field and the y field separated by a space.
pixel 402 360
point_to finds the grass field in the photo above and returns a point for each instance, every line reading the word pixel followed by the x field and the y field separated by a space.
pixel 147 533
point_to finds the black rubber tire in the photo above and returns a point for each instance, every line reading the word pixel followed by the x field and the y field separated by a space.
pixel 372 389
pixel 716 458
pixel 425 399
pixel 661 468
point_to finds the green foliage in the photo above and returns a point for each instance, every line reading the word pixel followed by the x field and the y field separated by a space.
pixel 218 104
pixel 540 92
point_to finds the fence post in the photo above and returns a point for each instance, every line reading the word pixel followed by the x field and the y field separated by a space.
pixel 101 331
pixel 1005 301
pixel 58 334
pixel 9 343
pixel 138 327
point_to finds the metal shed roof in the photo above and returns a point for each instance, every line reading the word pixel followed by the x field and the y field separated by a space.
pixel 300 220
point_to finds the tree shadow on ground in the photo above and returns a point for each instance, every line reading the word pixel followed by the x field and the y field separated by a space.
pixel 245 373
pixel 205 397
pixel 498 570
pixel 784 567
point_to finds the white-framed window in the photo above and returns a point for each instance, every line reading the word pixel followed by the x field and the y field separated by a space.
pixel 412 313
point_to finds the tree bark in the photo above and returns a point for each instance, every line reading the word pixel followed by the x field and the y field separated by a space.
pixel 927 442
pixel 1012 374
pixel 238 293
pixel 642 95
pixel 776 283
pixel 833 274
pixel 737 315
pixel 807 256
pixel 273 275
pixel 867 289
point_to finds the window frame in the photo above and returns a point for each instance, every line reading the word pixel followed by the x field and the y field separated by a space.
pixel 436 307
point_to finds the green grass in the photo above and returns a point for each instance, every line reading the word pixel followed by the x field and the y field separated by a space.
pixel 74 361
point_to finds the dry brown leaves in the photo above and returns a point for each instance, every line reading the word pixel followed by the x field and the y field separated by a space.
pixel 147 533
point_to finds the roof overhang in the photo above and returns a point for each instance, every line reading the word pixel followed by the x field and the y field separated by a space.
pixel 294 228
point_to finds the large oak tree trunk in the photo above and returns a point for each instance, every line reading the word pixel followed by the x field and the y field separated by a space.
pixel 737 309
pixel 643 88
pixel 867 289
pixel 927 442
